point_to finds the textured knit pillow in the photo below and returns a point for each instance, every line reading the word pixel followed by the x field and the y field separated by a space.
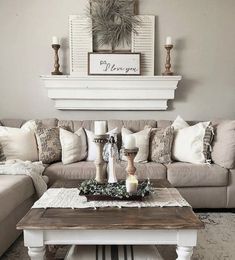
pixel 141 141
pixel 160 144
pixel 74 147
pixel 48 140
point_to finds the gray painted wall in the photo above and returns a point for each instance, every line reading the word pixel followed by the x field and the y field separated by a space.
pixel 204 55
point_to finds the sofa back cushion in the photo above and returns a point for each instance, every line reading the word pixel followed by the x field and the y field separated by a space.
pixel 223 147
pixel 74 125
pixel 17 123
pixel 133 125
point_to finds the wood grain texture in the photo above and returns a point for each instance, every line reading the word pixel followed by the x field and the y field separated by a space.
pixel 111 218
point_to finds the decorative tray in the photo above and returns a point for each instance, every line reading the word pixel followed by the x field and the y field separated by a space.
pixel 94 191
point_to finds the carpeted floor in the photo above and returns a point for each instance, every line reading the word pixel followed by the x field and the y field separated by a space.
pixel 215 242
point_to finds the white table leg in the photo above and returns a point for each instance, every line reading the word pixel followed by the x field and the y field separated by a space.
pixel 37 253
pixel 184 252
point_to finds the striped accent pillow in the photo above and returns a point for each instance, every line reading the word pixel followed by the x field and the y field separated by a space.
pixel 2 156
pixel 207 141
pixel 113 252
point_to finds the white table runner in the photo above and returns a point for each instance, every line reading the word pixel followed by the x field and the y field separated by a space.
pixel 70 198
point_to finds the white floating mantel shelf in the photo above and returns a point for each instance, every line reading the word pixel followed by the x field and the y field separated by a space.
pixel 111 92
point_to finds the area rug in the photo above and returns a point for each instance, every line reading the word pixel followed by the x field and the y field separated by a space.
pixel 215 242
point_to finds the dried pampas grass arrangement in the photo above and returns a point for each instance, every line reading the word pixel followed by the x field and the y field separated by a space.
pixel 113 21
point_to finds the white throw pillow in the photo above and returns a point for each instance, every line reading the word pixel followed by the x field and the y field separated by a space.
pixel 18 143
pixel 188 143
pixel 179 123
pixel 91 152
pixel 141 141
pixel 30 125
pixel 91 155
pixel 74 147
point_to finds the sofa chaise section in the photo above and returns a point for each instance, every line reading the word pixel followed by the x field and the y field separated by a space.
pixel 17 195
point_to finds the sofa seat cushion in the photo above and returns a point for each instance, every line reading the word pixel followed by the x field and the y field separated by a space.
pixel 14 190
pixel 78 170
pixel 150 170
pixel 196 175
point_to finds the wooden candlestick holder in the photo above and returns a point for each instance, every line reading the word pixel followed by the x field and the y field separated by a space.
pixel 168 71
pixel 131 154
pixel 56 60
pixel 131 180
pixel 100 141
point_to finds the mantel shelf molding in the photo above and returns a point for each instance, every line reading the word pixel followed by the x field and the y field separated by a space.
pixel 111 92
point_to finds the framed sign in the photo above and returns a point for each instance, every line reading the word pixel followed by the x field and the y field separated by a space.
pixel 113 63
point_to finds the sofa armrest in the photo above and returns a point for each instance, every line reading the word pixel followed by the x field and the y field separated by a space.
pixel 231 189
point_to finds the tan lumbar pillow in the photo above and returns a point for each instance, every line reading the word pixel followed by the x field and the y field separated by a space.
pixel 141 141
pixel 74 147
pixel 18 143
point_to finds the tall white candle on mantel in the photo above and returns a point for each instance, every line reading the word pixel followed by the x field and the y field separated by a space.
pixel 55 40
pixel 168 40
pixel 100 127
pixel 129 142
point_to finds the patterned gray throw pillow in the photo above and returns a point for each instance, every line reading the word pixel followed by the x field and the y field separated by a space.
pixel 207 141
pixel 48 140
pixel 2 156
pixel 160 144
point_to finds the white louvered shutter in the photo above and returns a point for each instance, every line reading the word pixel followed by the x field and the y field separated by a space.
pixel 80 39
pixel 143 41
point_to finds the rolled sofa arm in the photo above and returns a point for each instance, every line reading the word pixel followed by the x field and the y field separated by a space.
pixel 231 189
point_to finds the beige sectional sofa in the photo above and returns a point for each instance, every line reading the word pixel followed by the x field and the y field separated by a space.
pixel 204 186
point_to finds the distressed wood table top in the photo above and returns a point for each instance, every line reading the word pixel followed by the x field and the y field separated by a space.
pixel 110 218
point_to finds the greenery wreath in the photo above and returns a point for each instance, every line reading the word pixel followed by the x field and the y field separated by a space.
pixel 114 190
pixel 113 21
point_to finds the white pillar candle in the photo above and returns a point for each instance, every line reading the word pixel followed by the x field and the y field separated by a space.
pixel 168 40
pixel 55 40
pixel 100 127
pixel 129 142
pixel 131 184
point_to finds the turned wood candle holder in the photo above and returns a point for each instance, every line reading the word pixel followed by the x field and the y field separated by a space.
pixel 100 141
pixel 57 71
pixel 168 71
pixel 131 154
pixel 131 180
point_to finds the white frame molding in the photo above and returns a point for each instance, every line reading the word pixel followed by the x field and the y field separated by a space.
pixel 111 92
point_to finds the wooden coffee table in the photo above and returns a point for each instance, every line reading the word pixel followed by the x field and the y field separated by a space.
pixel 111 226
